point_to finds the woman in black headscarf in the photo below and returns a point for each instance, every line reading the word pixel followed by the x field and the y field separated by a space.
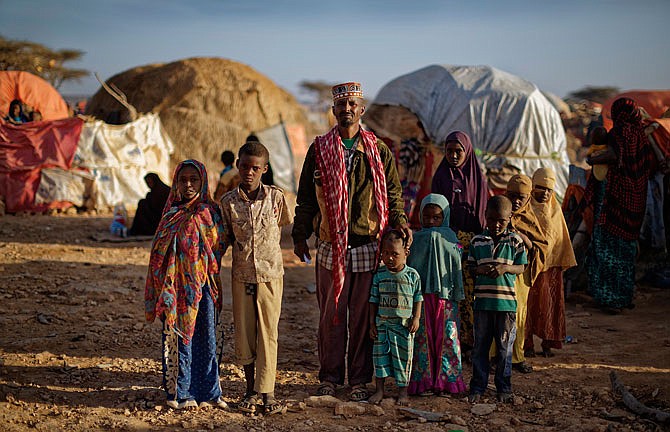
pixel 150 209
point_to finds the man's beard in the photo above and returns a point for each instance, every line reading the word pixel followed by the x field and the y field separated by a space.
pixel 346 121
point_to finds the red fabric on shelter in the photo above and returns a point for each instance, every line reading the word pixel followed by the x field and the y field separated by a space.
pixel 654 102
pixel 25 150
pixel 31 90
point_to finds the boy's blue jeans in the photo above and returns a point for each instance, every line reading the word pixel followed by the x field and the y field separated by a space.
pixel 499 327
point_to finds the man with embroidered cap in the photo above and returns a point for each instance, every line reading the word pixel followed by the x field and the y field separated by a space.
pixel 349 192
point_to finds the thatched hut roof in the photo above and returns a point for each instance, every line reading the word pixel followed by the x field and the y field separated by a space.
pixel 206 105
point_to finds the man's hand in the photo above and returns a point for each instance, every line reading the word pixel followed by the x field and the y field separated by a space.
pixel 407 233
pixel 414 325
pixel 301 250
pixel 373 331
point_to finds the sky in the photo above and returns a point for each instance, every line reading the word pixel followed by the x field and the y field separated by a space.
pixel 560 46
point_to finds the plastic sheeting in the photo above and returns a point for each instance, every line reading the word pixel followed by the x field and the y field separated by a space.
pixel 119 156
pixel 31 90
pixel 277 142
pixel 56 185
pixel 25 150
pixel 507 117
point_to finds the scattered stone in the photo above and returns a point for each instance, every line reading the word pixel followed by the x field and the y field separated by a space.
pixel 387 404
pixel 458 420
pixel 483 409
pixel 43 319
pixel 538 405
pixel 514 421
pixel 518 401
pixel 158 408
pixel 296 406
pixel 349 409
pixel 322 401
pixel 427 415
pixel 126 412
pixel 421 420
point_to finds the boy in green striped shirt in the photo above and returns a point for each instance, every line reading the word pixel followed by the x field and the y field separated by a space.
pixel 496 257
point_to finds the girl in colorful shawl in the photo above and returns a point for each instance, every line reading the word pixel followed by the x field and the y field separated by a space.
pixel 183 289
pixel 460 179
pixel 623 198
pixel 546 305
pixel 436 255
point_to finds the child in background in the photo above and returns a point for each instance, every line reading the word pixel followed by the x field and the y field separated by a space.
pixel 183 290
pixel 496 257
pixel 395 311
pixel 253 215
pixel 598 146
pixel 229 177
pixel 436 255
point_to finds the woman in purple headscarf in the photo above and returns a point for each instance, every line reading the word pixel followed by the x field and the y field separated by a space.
pixel 460 179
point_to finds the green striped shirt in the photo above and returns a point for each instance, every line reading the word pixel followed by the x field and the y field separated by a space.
pixel 396 293
pixel 496 294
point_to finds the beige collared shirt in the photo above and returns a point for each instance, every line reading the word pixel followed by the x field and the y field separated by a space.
pixel 253 231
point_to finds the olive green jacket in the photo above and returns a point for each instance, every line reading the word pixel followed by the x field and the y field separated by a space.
pixel 310 213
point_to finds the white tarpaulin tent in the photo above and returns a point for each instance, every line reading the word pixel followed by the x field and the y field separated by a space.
pixel 119 156
pixel 276 140
pixel 508 118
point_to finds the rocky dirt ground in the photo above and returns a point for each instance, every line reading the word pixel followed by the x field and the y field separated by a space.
pixel 77 355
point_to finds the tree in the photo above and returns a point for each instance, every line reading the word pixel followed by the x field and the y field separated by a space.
pixel 320 91
pixel 595 93
pixel 40 60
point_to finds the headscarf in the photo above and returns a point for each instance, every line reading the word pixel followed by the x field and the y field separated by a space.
pixel 625 199
pixel 185 256
pixel 525 221
pixel 436 255
pixel 464 187
pixel 552 222
pixel 330 161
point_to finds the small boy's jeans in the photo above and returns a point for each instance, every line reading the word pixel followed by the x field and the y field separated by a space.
pixel 499 327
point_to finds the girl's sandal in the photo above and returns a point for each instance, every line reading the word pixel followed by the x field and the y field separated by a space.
pixel 250 404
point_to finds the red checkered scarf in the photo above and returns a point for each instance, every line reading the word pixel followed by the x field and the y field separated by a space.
pixel 334 178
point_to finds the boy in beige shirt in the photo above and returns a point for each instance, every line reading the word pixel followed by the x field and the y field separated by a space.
pixel 253 215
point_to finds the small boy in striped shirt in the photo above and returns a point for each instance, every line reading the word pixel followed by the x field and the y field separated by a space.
pixel 496 257
pixel 395 311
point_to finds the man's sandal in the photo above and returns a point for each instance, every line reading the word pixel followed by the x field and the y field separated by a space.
pixel 250 403
pixel 326 389
pixel 358 393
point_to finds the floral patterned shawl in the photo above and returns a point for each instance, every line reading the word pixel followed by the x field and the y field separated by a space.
pixel 185 257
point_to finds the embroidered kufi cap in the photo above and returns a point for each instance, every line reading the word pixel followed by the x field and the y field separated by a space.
pixel 346 90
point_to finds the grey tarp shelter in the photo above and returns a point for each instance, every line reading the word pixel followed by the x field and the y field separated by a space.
pixel 508 118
